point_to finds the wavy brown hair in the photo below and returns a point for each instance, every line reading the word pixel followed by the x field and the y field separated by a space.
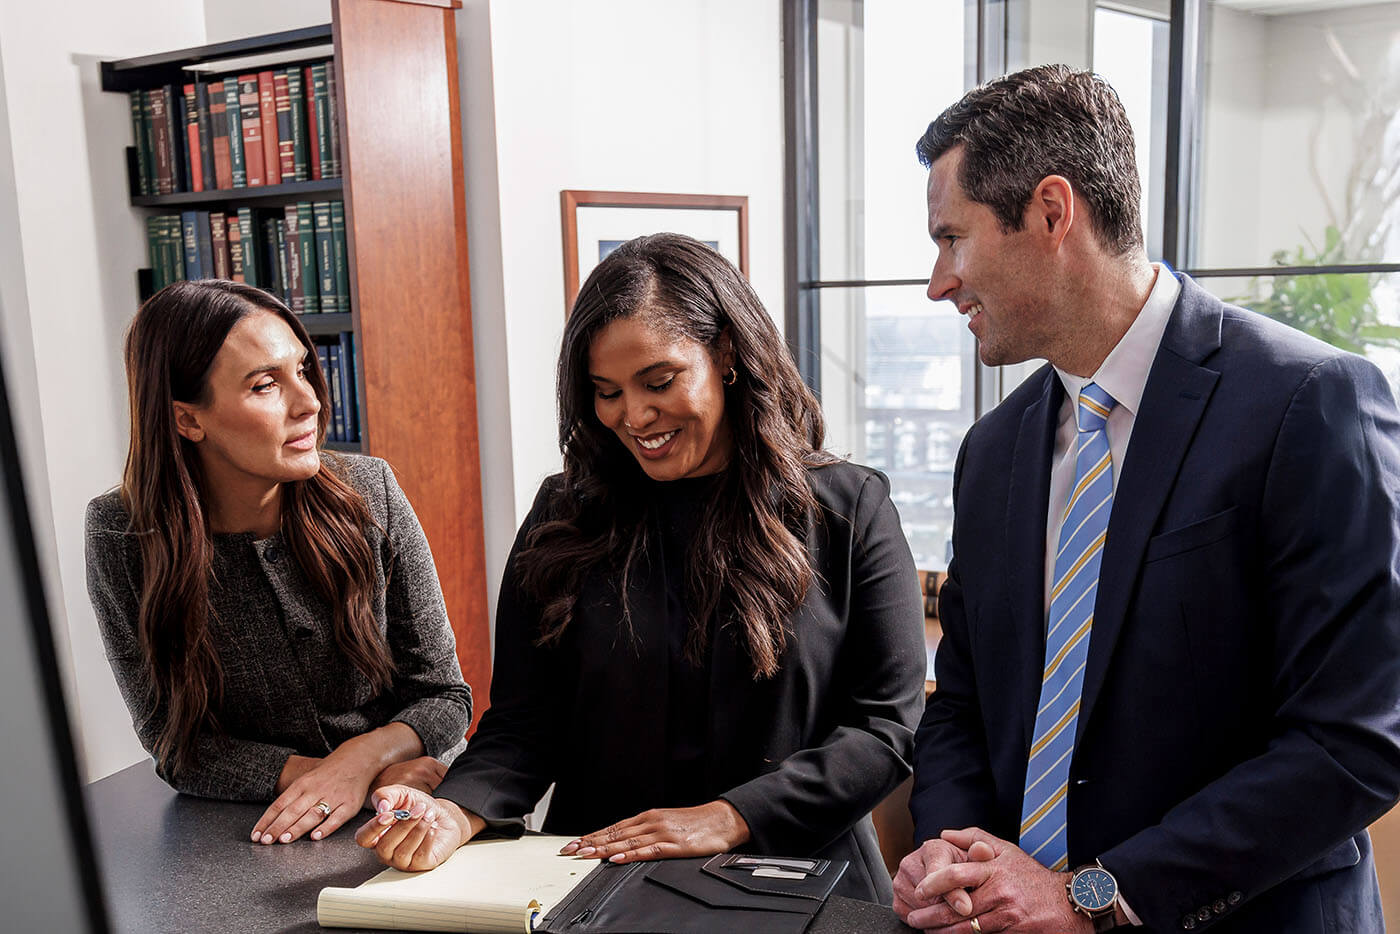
pixel 748 565
pixel 170 348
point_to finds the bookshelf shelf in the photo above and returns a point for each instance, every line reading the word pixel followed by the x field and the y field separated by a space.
pixel 131 74
pixel 257 196
pixel 406 257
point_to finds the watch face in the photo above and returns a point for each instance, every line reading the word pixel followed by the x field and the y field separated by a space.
pixel 1093 889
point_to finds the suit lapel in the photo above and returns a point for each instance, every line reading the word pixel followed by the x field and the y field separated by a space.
pixel 1177 392
pixel 1027 502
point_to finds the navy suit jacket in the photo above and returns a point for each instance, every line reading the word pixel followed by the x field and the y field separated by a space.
pixel 1240 721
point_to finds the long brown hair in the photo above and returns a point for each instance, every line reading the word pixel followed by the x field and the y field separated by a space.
pixel 748 563
pixel 170 347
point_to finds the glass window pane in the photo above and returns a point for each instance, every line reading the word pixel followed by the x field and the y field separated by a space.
pixel 1359 312
pixel 897 392
pixel 1300 135
pixel 885 68
pixel 1130 52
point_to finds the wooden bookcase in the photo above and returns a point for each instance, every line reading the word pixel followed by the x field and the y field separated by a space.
pixel 406 230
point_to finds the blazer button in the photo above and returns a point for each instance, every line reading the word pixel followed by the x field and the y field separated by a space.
pixel 1219 906
pixel 1203 915
pixel 272 553
pixel 1189 922
pixel 1234 898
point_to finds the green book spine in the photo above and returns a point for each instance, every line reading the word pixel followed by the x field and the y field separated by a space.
pixel 154 228
pixel 143 145
pixel 320 98
pixel 296 93
pixel 234 114
pixel 148 136
pixel 325 257
pixel 306 244
pixel 250 251
pixel 339 255
pixel 174 249
pixel 334 119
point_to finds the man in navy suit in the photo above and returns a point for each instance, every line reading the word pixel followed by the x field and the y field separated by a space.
pixel 1169 682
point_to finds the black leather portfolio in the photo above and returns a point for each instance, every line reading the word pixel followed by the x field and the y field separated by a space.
pixel 730 892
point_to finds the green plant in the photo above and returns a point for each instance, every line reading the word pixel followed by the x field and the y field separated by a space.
pixel 1338 308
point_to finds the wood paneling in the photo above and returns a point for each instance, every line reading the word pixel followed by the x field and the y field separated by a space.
pixel 407 229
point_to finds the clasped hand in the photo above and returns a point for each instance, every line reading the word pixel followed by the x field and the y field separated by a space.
pixel 970 874
pixel 435 828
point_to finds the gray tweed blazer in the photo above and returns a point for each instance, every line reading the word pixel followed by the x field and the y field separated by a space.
pixel 287 689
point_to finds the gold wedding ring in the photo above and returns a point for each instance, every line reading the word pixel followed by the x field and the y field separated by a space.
pixel 323 807
pixel 977 926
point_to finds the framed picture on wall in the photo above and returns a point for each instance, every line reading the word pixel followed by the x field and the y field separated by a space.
pixel 596 222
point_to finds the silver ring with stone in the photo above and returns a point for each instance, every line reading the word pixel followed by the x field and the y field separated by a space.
pixel 323 807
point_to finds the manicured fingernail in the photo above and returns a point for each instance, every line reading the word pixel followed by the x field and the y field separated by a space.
pixel 267 838
pixel 587 850
pixel 286 837
pixel 315 835
pixel 617 858
pixel 382 805
pixel 430 815
pixel 387 817
pixel 256 835
pixel 570 847
pixel 418 809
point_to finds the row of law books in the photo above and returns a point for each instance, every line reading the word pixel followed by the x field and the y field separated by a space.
pixel 298 252
pixel 240 131
pixel 338 363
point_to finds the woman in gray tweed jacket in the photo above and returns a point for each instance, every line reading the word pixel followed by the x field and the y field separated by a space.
pixel 271 613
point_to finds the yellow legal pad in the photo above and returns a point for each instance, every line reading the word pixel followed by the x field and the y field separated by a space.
pixel 486 887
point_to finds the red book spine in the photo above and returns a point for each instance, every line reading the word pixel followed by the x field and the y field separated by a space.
pixel 218 240
pixel 252 129
pixel 165 149
pixel 192 139
pixel 218 114
pixel 267 115
pixel 314 163
pixel 286 147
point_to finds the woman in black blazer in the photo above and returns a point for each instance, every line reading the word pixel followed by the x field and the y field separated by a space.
pixel 710 632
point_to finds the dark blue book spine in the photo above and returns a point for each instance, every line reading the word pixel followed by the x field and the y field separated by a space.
pixel 323 354
pixel 234 114
pixel 178 136
pixel 206 244
pixel 189 234
pixel 337 401
pixel 348 389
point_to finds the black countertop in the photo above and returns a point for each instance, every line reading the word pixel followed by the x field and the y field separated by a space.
pixel 172 863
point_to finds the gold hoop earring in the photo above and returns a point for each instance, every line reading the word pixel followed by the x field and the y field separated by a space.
pixel 731 377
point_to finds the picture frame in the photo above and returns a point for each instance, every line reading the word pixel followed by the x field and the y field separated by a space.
pixel 597 221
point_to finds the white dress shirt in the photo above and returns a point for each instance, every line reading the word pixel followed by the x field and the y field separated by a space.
pixel 1123 375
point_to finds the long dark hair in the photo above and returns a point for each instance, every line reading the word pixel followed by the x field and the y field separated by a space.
pixel 748 563
pixel 170 347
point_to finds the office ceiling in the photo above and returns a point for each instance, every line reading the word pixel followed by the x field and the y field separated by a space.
pixel 1286 7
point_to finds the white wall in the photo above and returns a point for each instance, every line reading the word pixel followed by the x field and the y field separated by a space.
pixel 67 274
pixel 682 96
pixel 238 19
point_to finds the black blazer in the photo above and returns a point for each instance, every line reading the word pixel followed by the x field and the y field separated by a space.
pixel 803 756
pixel 1240 722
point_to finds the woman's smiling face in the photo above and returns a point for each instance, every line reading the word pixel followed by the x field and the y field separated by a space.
pixel 662 394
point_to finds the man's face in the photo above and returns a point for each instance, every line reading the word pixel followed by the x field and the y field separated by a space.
pixel 994 277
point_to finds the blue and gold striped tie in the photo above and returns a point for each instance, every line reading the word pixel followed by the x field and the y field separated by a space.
pixel 1069 623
